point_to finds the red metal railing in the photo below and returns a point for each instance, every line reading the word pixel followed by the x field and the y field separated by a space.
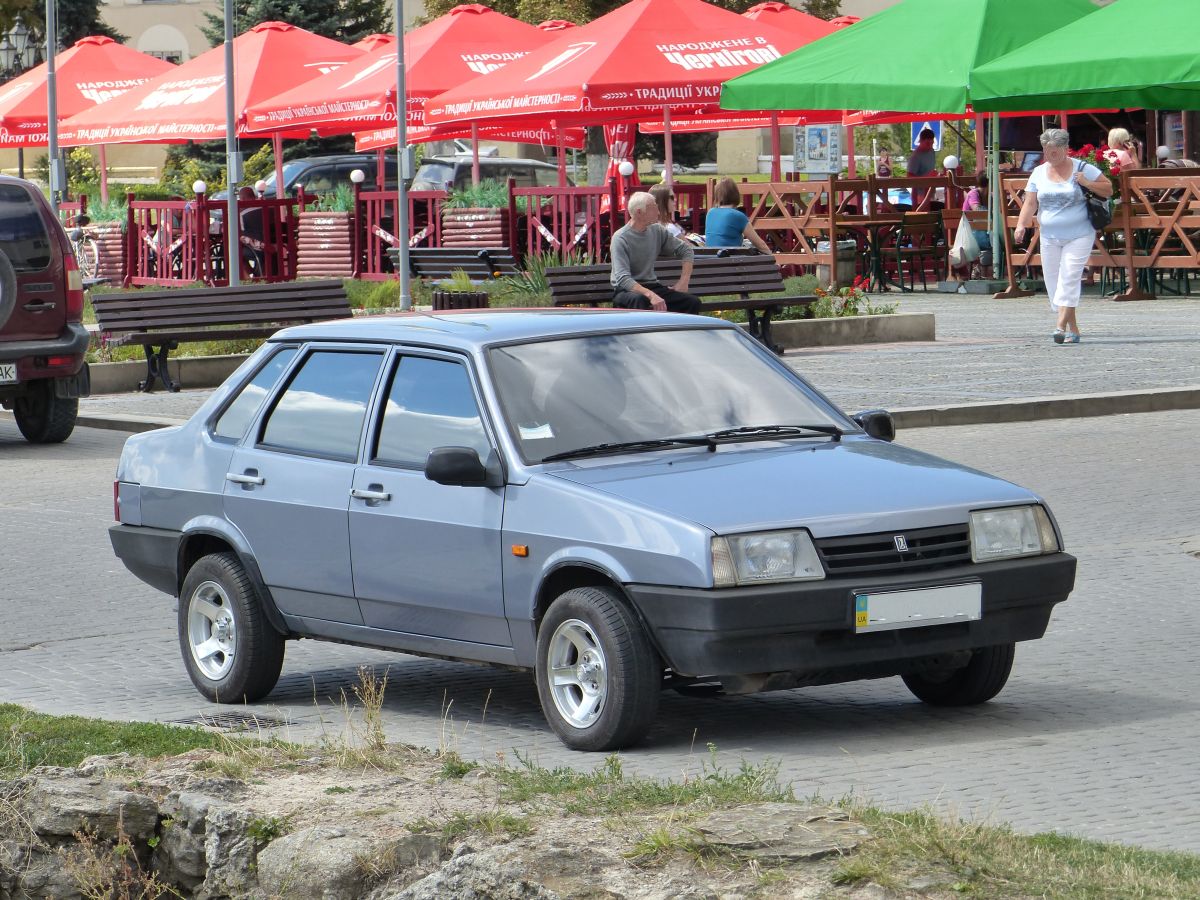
pixel 562 219
pixel 70 210
pixel 375 228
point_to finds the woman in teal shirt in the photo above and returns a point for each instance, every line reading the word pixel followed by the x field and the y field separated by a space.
pixel 726 225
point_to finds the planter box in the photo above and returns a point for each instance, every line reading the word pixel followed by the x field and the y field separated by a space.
pixel 853 330
pixel 110 242
pixel 325 245
pixel 460 300
pixel 474 227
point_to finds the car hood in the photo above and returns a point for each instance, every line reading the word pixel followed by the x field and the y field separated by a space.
pixel 831 487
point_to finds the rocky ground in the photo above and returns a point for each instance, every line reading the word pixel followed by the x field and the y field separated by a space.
pixel 277 822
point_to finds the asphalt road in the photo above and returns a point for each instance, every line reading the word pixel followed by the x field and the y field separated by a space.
pixel 1096 733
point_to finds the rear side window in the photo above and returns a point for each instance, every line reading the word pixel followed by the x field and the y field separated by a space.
pixel 233 422
pixel 546 177
pixel 430 404
pixel 317 180
pixel 433 176
pixel 23 235
pixel 321 412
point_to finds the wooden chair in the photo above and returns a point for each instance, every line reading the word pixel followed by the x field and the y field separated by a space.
pixel 917 243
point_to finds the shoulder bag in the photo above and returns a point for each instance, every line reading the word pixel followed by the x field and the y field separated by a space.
pixel 1099 210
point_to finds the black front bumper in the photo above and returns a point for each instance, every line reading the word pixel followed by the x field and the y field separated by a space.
pixel 808 627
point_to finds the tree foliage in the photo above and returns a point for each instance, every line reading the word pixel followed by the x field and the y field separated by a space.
pixel 822 9
pixel 348 21
pixel 76 19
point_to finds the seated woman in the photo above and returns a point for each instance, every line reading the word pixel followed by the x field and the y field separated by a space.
pixel 726 225
pixel 976 198
pixel 664 196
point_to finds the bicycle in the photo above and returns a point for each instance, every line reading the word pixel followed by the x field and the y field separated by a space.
pixel 87 252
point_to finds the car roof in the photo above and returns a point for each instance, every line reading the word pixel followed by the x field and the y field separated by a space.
pixel 475 329
pixel 484 160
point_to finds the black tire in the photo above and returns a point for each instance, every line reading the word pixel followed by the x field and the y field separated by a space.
pixel 42 417
pixel 219 607
pixel 977 682
pixel 628 677
pixel 8 288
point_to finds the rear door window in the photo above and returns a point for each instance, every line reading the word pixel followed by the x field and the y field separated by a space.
pixel 23 235
pixel 321 412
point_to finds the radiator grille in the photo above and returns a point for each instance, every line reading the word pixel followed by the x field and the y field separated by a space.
pixel 877 554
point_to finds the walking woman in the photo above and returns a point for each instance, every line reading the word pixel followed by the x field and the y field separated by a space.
pixel 1053 194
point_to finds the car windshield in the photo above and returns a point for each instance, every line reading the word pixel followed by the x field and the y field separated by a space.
pixel 433 176
pixel 565 394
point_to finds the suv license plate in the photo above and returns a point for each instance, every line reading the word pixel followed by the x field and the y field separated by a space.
pixel 888 610
pixel 8 373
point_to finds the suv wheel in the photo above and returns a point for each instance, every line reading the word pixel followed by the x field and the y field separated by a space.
pixel 43 417
pixel 978 681
pixel 231 652
pixel 598 676
pixel 8 288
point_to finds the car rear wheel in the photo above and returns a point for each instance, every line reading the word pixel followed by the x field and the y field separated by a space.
pixel 8 288
pixel 598 677
pixel 231 652
pixel 43 417
pixel 978 681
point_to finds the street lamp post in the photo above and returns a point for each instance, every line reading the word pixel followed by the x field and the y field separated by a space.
pixel 18 54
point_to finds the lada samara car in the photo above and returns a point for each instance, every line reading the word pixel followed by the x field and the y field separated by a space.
pixel 619 502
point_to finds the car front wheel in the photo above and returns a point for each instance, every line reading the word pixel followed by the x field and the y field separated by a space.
pixel 231 652
pixel 44 417
pixel 598 676
pixel 978 681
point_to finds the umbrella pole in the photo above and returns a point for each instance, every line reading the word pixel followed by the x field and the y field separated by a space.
pixel 852 169
pixel 562 154
pixel 475 153
pixel 776 150
pixel 277 149
pixel 380 171
pixel 668 156
pixel 404 163
pixel 103 154
pixel 997 201
pixel 233 165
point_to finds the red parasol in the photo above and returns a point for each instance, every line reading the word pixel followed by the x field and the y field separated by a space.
pixel 373 42
pixel 188 103
pixel 644 59
pixel 466 42
pixel 95 70
pixel 556 25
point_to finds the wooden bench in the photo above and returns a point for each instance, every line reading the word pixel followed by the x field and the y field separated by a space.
pixel 711 276
pixel 165 319
pixel 480 263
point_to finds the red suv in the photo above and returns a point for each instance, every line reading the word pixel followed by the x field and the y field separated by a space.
pixel 42 338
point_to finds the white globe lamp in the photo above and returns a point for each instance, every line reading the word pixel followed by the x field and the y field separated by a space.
pixel 625 167
pixel 260 187
pixel 950 163
pixel 358 176
pixel 1163 152
pixel 199 187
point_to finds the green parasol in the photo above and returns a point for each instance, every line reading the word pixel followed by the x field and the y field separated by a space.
pixel 917 55
pixel 1134 53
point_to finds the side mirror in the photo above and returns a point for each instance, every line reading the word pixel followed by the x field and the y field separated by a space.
pixel 877 423
pixel 461 466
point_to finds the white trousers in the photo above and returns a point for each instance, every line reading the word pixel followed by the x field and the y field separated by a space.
pixel 1062 266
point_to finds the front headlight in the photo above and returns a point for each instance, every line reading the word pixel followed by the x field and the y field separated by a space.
pixel 1011 532
pixel 763 558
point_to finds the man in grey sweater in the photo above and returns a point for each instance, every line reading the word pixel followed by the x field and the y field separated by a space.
pixel 635 247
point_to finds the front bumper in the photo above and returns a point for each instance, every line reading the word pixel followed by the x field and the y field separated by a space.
pixel 807 628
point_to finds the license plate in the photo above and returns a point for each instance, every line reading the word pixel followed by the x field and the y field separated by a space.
pixel 8 373
pixel 888 610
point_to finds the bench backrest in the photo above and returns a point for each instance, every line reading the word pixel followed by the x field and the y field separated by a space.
pixel 256 304
pixel 478 263
pixel 711 276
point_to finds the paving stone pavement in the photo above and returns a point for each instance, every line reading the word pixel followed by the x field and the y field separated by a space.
pixel 1095 735
pixel 985 350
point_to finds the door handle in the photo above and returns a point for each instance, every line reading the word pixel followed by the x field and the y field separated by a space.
pixel 376 495
pixel 248 478
pixel 39 306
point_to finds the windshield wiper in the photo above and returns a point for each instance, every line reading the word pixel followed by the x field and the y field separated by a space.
pixel 627 446
pixel 769 432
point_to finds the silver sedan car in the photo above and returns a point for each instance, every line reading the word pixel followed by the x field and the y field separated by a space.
pixel 620 502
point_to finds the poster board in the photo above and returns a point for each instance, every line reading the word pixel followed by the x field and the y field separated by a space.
pixel 818 149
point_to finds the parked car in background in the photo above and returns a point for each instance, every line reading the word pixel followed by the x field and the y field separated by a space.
pixel 42 339
pixel 436 172
pixel 616 501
